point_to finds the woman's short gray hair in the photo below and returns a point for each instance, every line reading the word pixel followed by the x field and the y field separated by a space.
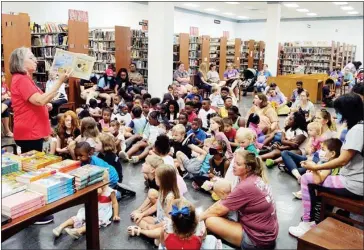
pixel 17 60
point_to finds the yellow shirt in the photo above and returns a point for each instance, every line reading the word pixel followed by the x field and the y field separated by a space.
pixel 223 112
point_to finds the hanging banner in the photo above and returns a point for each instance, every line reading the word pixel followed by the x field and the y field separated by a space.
pixel 194 31
pixel 78 15
pixel 225 34
pixel 145 25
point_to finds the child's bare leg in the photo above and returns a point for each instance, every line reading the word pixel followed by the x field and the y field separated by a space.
pixel 145 153
pixel 147 223
pixel 180 158
pixel 81 230
pixel 268 139
pixel 134 149
pixel 65 224
pixel 154 233
pixel 149 201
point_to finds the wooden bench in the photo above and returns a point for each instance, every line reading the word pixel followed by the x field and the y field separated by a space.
pixel 331 234
pixel 350 205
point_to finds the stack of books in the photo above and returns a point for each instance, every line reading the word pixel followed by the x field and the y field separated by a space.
pixel 54 187
pixel 10 186
pixel 87 175
pixel 8 166
pixel 28 177
pixel 21 203
pixel 65 166
pixel 36 163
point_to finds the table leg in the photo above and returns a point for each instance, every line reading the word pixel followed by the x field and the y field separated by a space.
pixel 92 222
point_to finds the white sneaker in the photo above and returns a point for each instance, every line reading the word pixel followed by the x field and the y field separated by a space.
pixel 123 156
pixel 73 233
pixel 57 231
pixel 301 229
pixel 298 195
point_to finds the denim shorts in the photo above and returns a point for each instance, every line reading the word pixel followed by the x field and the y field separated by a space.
pixel 247 244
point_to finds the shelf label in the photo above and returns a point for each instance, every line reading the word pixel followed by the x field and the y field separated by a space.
pixel 217 21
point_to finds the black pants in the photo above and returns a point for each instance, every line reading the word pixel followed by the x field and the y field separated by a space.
pixel 56 104
pixel 316 201
pixel 29 145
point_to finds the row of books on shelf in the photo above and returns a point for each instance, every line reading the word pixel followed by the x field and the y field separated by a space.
pixel 102 57
pixel 24 191
pixel 50 40
pixel 194 46
pixel 194 54
pixel 102 46
pixel 139 54
pixel 100 68
pixel 139 33
pixel 44 52
pixel 195 39
pixel 98 34
pixel 138 43
pixel 141 64
pixel 193 63
pixel 48 28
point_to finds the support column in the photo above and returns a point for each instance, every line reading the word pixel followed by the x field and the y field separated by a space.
pixel 160 47
pixel 272 36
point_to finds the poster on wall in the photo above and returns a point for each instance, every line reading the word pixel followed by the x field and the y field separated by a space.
pixel 78 15
pixel 145 25
pixel 80 64
pixel 225 34
pixel 194 31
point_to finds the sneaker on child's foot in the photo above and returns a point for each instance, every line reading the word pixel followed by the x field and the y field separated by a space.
pixel 73 233
pixel 301 229
pixel 123 156
pixel 57 231
pixel 134 159
pixel 195 186
pixel 45 220
pixel 298 195
pixel 269 163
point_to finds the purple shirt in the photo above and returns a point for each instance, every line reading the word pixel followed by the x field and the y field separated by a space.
pixel 253 200
pixel 230 74
pixel 278 99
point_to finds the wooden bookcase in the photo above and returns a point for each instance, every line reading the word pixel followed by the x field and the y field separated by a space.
pixel 244 55
pixel 122 47
pixel 261 55
pixel 194 54
pixel 214 52
pixel 230 51
pixel 184 41
pixel 222 59
pixel 251 53
pixel 175 51
pixel 139 52
pixel 77 42
pixel 15 34
pixel 237 52
pixel 205 50
pixel 333 56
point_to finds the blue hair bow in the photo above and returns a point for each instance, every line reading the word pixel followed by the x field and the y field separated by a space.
pixel 175 211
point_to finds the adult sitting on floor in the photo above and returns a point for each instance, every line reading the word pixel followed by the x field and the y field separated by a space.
pixel 252 198
pixel 304 104
pixel 232 78
pixel 88 89
pixel 124 85
pixel 183 78
pixel 278 102
pixel 107 87
pixel 136 79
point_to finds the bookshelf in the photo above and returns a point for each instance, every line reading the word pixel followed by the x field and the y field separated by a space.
pixel 230 51
pixel 176 49
pixel 256 53
pixel 15 33
pixel 215 52
pixel 184 45
pixel 237 52
pixel 261 55
pixel 139 52
pixel 244 55
pixel 45 39
pixel 194 54
pixel 205 50
pixel 102 47
pixel 122 47
pixel 222 62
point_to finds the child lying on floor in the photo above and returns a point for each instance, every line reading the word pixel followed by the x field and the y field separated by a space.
pixel 108 208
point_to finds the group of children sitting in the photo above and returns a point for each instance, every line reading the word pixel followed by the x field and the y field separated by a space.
pixel 195 140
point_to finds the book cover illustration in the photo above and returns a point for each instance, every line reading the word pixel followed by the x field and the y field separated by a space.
pixel 81 64
pixel 65 165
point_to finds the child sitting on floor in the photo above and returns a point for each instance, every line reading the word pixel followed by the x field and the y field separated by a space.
pixel 196 134
pixel 105 121
pixel 108 207
pixel 123 115
pixel 253 124
pixel 247 138
pixel 183 230
pixel 94 110
pixel 230 132
pixel 118 133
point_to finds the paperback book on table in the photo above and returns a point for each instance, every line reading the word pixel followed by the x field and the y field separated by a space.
pixel 65 166
pixel 55 186
pixel 36 163
pixel 10 186
pixel 21 158
pixel 80 186
pixel 21 203
pixel 87 175
pixel 28 177
pixel 9 166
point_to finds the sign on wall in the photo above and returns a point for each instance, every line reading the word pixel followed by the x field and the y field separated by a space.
pixel 78 15
pixel 194 31
pixel 217 21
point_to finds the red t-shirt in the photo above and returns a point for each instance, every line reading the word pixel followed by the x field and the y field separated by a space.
pixel 31 122
pixel 191 117
pixel 231 135
pixel 253 200
pixel 174 242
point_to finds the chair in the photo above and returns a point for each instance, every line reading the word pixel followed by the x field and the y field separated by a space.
pixel 331 234
pixel 67 106
pixel 350 205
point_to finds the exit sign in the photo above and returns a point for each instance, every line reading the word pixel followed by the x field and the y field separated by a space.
pixel 217 21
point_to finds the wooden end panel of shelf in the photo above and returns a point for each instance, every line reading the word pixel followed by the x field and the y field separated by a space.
pixel 343 56
pixel 15 34
pixel 261 55
pixel 332 55
pixel 251 54
pixel 122 47
pixel 237 52
pixel 77 42
pixel 184 45
pixel 337 54
pixel 222 65
pixel 205 50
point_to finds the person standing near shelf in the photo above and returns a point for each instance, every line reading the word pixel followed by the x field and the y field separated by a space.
pixel 30 104
pixel 136 79
pixel 59 99
pixel 183 78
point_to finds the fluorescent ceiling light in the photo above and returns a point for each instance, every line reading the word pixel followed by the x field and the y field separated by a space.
pixel 353 12
pixel 347 8
pixel 291 5
pixel 243 17
pixel 191 5
pixel 302 10
pixel 229 14
pixel 340 3
pixel 232 2
pixel 311 14
pixel 211 9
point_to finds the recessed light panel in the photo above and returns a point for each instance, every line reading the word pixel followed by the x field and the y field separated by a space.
pixel 340 3
pixel 353 12
pixel 228 13
pixel 311 14
pixel 232 2
pixel 243 17
pixel 191 5
pixel 302 10
pixel 291 5
pixel 211 10
pixel 347 8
